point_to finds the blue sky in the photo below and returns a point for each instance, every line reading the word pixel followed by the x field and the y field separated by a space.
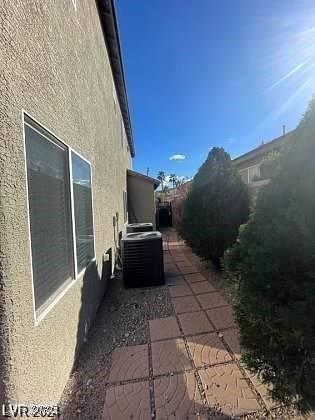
pixel 210 73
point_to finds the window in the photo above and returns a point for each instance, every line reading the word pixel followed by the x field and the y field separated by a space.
pixel 60 213
pixel 83 214
pixel 253 173
pixel 244 175
pixel 50 216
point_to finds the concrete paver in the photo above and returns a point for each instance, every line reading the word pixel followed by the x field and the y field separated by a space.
pixel 168 259
pixel 222 317
pixel 263 390
pixel 232 339
pixel 175 280
pixel 169 266
pixel 195 277
pixel 180 259
pixel 207 349
pixel 202 287
pixel 178 397
pixel 180 290
pixel 164 328
pixel 130 401
pixel 188 269
pixel 185 264
pixel 171 270
pixel 185 304
pixel 213 356
pixel 226 387
pixel 170 356
pixel 211 300
pixel 195 323
pixel 130 362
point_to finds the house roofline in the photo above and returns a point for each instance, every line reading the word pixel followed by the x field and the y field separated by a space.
pixel 154 181
pixel 108 18
pixel 262 149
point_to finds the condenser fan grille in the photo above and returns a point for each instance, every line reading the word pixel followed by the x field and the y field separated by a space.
pixel 140 227
pixel 142 260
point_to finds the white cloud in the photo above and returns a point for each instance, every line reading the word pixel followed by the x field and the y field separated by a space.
pixel 177 157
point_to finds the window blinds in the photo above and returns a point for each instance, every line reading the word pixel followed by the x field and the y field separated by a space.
pixel 82 199
pixel 50 216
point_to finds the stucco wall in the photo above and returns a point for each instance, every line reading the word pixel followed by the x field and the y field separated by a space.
pixel 250 162
pixel 141 199
pixel 54 65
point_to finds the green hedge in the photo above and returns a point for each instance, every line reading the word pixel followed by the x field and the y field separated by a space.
pixel 272 267
pixel 215 207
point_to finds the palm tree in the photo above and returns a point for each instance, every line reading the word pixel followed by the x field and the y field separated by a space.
pixel 179 182
pixel 161 177
pixel 173 179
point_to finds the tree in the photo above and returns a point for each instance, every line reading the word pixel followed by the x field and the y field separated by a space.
pixel 272 269
pixel 173 179
pixel 215 207
pixel 270 165
pixel 161 177
pixel 180 181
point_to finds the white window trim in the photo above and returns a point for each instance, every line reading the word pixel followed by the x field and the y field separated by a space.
pixel 257 165
pixel 38 317
pixel 247 169
pixel 247 173
pixel 72 207
pixel 125 205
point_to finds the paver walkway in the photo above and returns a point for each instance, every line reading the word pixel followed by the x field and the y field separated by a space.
pixel 190 369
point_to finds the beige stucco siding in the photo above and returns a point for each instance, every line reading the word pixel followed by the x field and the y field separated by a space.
pixel 141 200
pixel 54 65
pixel 250 162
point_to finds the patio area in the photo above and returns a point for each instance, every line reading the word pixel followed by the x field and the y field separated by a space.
pixel 168 352
pixel 190 365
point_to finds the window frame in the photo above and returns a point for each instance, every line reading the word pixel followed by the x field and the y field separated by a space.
pixel 34 124
pixel 125 206
pixel 247 174
pixel 250 177
pixel 72 151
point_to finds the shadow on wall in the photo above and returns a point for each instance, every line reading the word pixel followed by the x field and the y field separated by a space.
pixel 92 294
pixel 94 288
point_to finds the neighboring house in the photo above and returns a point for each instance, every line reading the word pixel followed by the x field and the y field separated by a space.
pixel 248 164
pixel 65 147
pixel 141 199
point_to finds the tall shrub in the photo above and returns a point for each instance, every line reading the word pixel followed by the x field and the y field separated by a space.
pixel 270 165
pixel 273 269
pixel 215 207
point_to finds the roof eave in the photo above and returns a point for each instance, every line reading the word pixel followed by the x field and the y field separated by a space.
pixel 261 150
pixel 153 181
pixel 111 35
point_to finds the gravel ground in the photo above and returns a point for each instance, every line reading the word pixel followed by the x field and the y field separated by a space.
pixel 120 321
